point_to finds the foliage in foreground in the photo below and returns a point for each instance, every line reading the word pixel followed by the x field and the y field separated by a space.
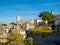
pixel 29 41
pixel 41 29
pixel 3 43
pixel 15 38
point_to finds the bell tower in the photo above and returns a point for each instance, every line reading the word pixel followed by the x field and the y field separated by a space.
pixel 18 20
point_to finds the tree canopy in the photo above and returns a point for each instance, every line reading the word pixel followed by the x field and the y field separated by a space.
pixel 29 41
pixel 46 15
pixel 13 23
pixel 4 24
pixel 15 38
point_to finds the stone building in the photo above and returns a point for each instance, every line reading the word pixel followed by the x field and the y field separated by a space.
pixel 57 23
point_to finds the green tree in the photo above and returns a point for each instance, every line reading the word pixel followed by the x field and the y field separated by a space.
pixel 4 24
pixel 46 15
pixel 13 23
pixel 15 38
pixel 29 41
pixel 3 43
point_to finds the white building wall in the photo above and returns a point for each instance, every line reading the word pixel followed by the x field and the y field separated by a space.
pixel 29 26
pixel 57 19
pixel 57 22
pixel 36 21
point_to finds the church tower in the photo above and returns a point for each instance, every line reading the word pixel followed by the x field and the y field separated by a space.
pixel 18 20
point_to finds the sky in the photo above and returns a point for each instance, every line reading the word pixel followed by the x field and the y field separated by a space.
pixel 26 9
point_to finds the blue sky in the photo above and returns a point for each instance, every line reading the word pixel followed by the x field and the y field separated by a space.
pixel 26 9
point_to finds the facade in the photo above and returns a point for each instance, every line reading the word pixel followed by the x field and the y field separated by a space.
pixel 3 37
pixel 24 21
pixel 57 19
pixel 10 26
pixel 57 23
pixel 28 26
pixel 37 21
pixel 25 24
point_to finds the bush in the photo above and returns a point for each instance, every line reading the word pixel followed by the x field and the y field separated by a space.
pixel 29 41
pixel 3 43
